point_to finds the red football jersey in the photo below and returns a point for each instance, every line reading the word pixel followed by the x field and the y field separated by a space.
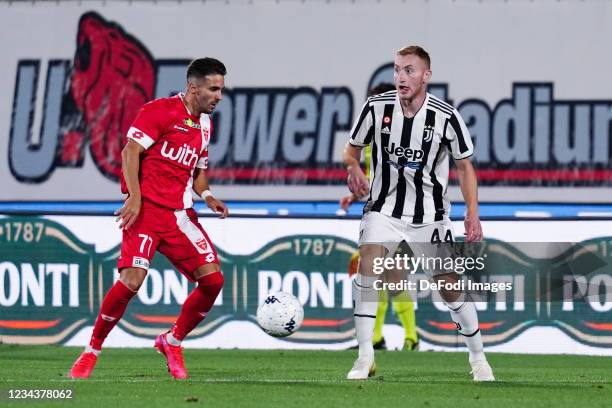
pixel 175 142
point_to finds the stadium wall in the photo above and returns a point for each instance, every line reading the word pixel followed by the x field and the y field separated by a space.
pixel 530 78
pixel 54 271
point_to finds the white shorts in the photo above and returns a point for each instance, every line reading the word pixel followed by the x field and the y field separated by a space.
pixel 425 240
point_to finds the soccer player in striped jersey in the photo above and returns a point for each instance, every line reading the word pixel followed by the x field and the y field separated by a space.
pixel 412 134
pixel 403 306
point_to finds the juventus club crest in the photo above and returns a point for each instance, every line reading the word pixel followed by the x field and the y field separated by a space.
pixel 428 134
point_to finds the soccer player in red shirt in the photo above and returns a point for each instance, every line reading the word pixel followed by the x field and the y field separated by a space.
pixel 164 159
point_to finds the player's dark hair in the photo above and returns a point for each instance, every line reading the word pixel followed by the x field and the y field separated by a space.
pixel 381 88
pixel 418 51
pixel 199 68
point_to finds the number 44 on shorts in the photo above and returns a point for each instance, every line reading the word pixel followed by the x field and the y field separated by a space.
pixel 435 237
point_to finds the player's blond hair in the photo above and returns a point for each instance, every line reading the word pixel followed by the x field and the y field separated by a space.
pixel 416 50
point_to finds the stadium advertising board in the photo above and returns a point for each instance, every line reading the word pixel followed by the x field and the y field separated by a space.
pixel 534 297
pixel 286 112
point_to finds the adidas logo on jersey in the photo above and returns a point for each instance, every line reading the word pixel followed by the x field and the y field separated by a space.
pixel 186 154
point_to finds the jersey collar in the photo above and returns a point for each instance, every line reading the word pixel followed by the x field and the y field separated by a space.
pixel 418 112
pixel 181 96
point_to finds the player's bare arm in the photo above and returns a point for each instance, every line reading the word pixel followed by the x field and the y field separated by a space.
pixel 357 181
pixel 469 188
pixel 130 165
pixel 200 185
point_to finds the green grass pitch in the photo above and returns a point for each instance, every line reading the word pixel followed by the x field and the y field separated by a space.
pixel 241 378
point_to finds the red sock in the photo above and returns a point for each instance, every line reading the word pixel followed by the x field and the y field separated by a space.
pixel 113 306
pixel 197 304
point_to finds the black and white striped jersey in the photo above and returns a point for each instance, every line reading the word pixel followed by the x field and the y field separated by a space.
pixel 409 161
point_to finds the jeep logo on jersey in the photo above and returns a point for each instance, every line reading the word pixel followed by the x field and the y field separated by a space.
pixel 186 154
pixel 407 153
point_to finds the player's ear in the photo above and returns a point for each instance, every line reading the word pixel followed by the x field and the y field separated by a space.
pixel 427 76
pixel 191 87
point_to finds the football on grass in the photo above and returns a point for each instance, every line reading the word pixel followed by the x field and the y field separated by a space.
pixel 280 314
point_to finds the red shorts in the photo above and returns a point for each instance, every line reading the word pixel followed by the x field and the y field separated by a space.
pixel 176 234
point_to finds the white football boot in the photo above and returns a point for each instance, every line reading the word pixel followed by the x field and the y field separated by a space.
pixel 481 370
pixel 364 367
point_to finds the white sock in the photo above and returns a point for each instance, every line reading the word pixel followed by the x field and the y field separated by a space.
pixel 464 315
pixel 89 349
pixel 365 301
pixel 172 340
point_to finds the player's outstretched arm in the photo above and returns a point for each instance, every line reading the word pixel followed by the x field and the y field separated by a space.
pixel 357 181
pixel 469 188
pixel 130 166
pixel 201 188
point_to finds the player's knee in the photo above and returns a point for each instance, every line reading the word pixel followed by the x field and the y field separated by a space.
pixel 206 270
pixel 218 281
pixel 370 259
pixel 458 304
pixel 213 281
pixel 450 296
pixel 133 277
pixel 372 250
